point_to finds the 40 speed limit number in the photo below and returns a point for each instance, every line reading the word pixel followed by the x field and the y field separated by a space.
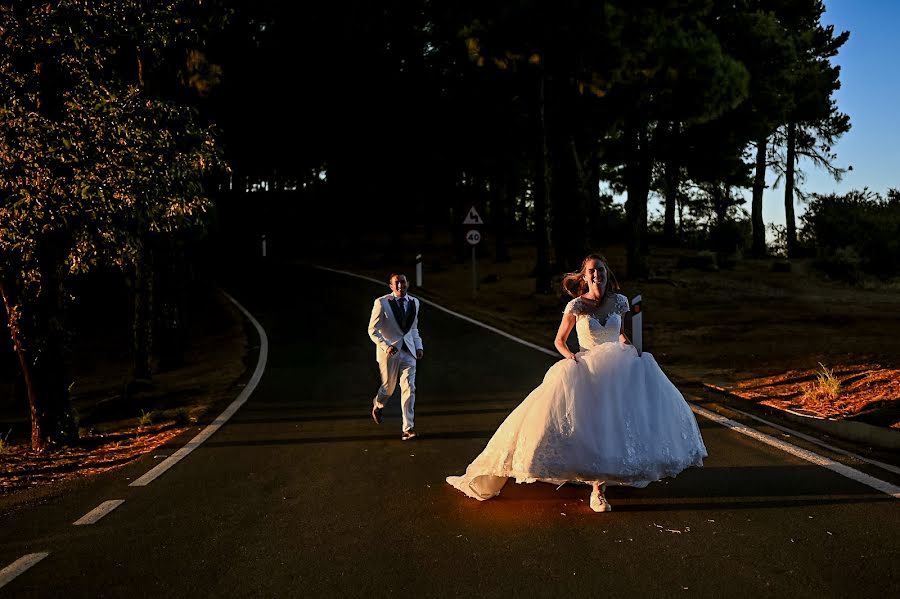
pixel 473 237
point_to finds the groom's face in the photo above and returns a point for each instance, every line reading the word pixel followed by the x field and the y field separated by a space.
pixel 399 285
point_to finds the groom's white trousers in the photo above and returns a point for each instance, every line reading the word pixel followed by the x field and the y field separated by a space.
pixel 401 367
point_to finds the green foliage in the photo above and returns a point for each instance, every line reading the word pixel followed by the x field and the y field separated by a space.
pixel 106 165
pixel 93 159
pixel 778 245
pixel 730 237
pixel 854 233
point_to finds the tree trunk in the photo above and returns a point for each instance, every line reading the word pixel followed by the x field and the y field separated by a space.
pixel 560 202
pixel 38 338
pixel 500 214
pixel 637 176
pixel 542 200
pixel 587 194
pixel 523 187
pixel 168 316
pixel 570 193
pixel 142 325
pixel 563 204
pixel 672 182
pixel 789 190
pixel 14 324
pixel 759 185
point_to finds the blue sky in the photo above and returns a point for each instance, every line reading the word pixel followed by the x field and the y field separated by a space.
pixel 870 94
pixel 870 90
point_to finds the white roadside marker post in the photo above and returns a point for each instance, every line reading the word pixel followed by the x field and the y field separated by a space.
pixel 637 334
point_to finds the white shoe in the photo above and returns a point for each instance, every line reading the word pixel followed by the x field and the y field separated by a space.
pixel 599 502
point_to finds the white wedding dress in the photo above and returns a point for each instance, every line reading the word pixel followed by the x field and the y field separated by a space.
pixel 610 416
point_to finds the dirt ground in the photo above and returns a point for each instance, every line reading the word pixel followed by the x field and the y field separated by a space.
pixel 119 422
pixel 768 336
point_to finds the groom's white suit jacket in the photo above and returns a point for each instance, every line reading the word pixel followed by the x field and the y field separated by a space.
pixel 385 330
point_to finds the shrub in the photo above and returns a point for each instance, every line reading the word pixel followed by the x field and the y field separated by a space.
pixel 729 236
pixel 854 233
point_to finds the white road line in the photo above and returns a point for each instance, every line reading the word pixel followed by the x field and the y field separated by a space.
pixel 216 424
pixel 452 313
pixel 809 456
pixel 20 565
pixel 861 477
pixel 798 434
pixel 98 512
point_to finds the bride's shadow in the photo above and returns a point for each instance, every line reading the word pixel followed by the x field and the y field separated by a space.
pixel 708 488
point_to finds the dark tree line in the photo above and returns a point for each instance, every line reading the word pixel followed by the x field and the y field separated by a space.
pixel 390 114
pixel 102 164
pixel 529 106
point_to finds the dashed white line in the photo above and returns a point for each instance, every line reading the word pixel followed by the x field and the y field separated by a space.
pixel 20 565
pixel 851 473
pixel 216 424
pixel 98 512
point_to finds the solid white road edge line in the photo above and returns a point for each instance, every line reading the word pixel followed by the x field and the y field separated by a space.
pixel 451 312
pixel 815 458
pixel 793 433
pixel 20 565
pixel 98 512
pixel 216 424
pixel 809 456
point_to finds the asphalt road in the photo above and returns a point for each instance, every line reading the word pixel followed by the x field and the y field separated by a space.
pixel 302 495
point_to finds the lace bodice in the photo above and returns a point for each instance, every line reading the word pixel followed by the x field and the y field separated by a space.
pixel 595 327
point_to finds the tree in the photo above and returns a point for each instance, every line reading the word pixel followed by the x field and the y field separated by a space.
pixel 813 123
pixel 675 76
pixel 753 34
pixel 78 150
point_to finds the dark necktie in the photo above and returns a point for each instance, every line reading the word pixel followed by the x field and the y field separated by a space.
pixel 402 303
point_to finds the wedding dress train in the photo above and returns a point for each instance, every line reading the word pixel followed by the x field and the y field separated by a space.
pixel 610 415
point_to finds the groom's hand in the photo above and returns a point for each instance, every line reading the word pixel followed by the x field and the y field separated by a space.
pixel 418 354
pixel 391 350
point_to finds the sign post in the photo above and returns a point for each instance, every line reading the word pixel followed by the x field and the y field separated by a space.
pixel 637 334
pixel 418 270
pixel 473 237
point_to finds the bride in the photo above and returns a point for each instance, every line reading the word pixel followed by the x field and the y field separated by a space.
pixel 603 415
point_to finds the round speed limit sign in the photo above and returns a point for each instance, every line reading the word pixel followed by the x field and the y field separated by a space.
pixel 473 237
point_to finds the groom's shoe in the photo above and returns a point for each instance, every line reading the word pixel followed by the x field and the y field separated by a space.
pixel 407 435
pixel 376 414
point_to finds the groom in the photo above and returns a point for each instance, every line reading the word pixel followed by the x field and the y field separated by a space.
pixel 393 328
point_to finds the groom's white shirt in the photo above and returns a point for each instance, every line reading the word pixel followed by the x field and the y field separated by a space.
pixel 385 331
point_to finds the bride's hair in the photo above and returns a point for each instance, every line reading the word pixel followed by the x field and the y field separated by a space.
pixel 575 285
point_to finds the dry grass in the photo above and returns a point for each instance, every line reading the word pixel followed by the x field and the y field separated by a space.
pixel 94 453
pixel 119 423
pixel 844 392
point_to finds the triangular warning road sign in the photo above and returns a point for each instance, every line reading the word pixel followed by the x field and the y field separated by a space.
pixel 473 218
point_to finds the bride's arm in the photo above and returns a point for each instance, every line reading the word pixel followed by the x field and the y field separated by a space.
pixel 623 338
pixel 562 335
